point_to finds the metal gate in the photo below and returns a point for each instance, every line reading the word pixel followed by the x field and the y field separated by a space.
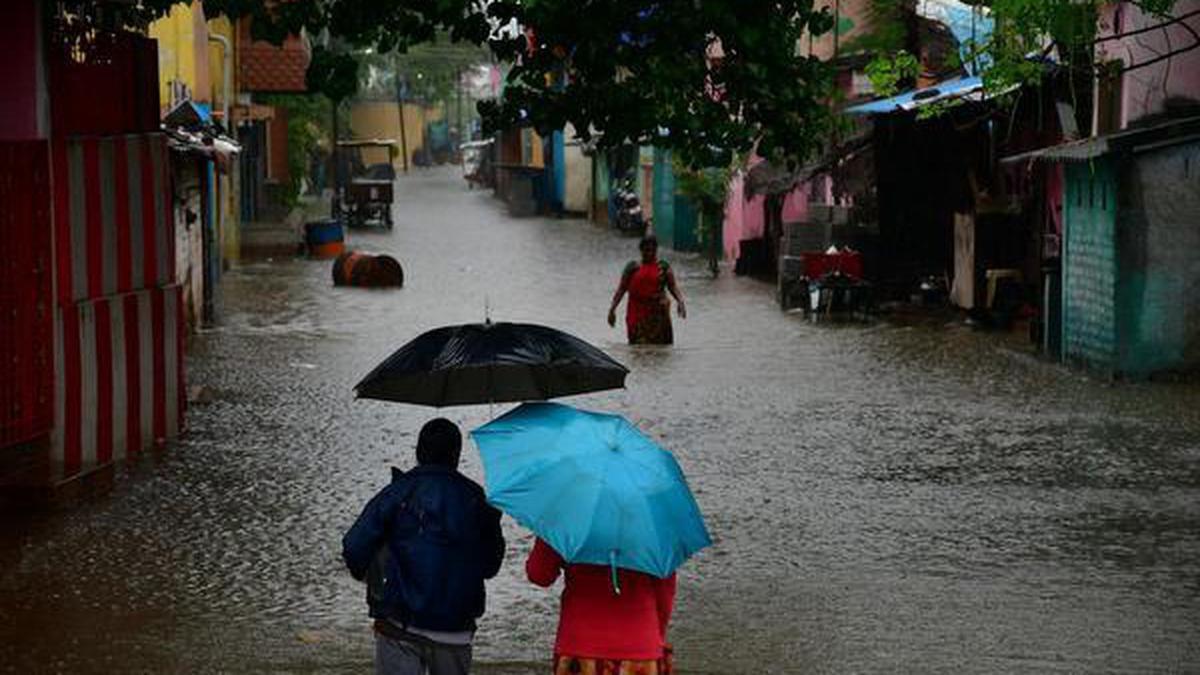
pixel 26 294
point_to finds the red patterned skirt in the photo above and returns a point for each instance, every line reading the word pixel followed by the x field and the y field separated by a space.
pixel 564 664
pixel 650 323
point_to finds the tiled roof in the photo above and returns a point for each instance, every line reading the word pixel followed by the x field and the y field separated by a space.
pixel 264 67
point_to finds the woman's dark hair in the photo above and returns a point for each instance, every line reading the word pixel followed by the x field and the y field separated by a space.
pixel 440 442
pixel 648 240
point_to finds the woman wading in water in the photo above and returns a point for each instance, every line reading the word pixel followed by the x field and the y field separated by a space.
pixel 648 312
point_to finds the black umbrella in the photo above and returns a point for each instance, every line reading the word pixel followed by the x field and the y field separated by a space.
pixel 491 363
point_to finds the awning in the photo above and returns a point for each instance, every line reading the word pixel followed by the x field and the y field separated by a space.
pixel 253 112
pixel 1141 139
pixel 965 88
pixel 765 178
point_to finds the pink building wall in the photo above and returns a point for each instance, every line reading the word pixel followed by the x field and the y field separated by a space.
pixel 23 102
pixel 795 205
pixel 745 218
pixel 733 228
pixel 1144 90
pixel 737 212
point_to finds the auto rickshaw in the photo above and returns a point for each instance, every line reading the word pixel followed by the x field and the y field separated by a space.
pixel 365 176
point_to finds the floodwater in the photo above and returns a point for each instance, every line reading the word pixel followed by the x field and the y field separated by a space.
pixel 883 498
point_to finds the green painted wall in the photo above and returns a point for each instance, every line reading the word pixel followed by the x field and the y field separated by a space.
pixel 1131 262
pixel 674 215
pixel 664 197
pixel 1158 233
pixel 1090 265
pixel 685 224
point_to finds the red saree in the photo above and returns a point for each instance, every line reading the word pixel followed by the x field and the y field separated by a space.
pixel 648 312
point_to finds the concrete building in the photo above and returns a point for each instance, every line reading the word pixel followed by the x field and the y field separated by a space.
pixel 1123 206
pixel 1130 294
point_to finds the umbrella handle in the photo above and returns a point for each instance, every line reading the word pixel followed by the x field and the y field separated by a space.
pixel 612 563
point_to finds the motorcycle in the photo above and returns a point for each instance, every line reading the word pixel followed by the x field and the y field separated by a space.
pixel 629 218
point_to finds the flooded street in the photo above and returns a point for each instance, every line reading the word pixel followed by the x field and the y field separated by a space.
pixel 883 498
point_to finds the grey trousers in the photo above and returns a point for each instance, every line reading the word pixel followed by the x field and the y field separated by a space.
pixel 420 656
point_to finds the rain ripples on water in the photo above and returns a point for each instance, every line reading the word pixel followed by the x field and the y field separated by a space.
pixel 883 498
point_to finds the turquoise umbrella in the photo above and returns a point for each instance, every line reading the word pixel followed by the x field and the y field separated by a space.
pixel 592 486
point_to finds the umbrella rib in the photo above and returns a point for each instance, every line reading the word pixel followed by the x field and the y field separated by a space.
pixel 441 400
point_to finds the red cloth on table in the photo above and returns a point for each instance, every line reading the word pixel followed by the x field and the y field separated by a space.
pixel 595 621
pixel 816 265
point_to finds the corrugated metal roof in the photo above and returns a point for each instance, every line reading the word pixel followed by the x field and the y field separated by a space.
pixel 1141 139
pixel 1074 151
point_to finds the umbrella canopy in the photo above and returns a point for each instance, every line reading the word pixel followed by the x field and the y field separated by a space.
pixel 491 363
pixel 592 486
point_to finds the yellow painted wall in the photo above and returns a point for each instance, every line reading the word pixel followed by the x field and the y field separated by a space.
pixel 379 119
pixel 183 52
pixel 216 63
pixel 536 157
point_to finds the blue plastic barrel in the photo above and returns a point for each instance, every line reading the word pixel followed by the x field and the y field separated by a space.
pixel 323 232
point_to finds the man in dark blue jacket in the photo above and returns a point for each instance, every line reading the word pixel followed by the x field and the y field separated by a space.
pixel 424 545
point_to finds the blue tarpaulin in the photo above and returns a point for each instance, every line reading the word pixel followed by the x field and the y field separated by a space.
pixel 970 25
pixel 960 87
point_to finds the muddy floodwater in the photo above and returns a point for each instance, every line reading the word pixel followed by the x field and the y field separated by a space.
pixel 884 498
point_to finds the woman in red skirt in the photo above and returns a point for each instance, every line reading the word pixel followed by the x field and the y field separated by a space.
pixel 648 313
pixel 605 629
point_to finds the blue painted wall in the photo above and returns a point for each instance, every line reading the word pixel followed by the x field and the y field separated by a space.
pixel 558 163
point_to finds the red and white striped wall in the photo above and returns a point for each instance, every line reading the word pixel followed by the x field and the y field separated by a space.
pixel 120 381
pixel 119 377
pixel 114 230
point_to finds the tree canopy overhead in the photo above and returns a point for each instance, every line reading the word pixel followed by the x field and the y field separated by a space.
pixel 708 78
